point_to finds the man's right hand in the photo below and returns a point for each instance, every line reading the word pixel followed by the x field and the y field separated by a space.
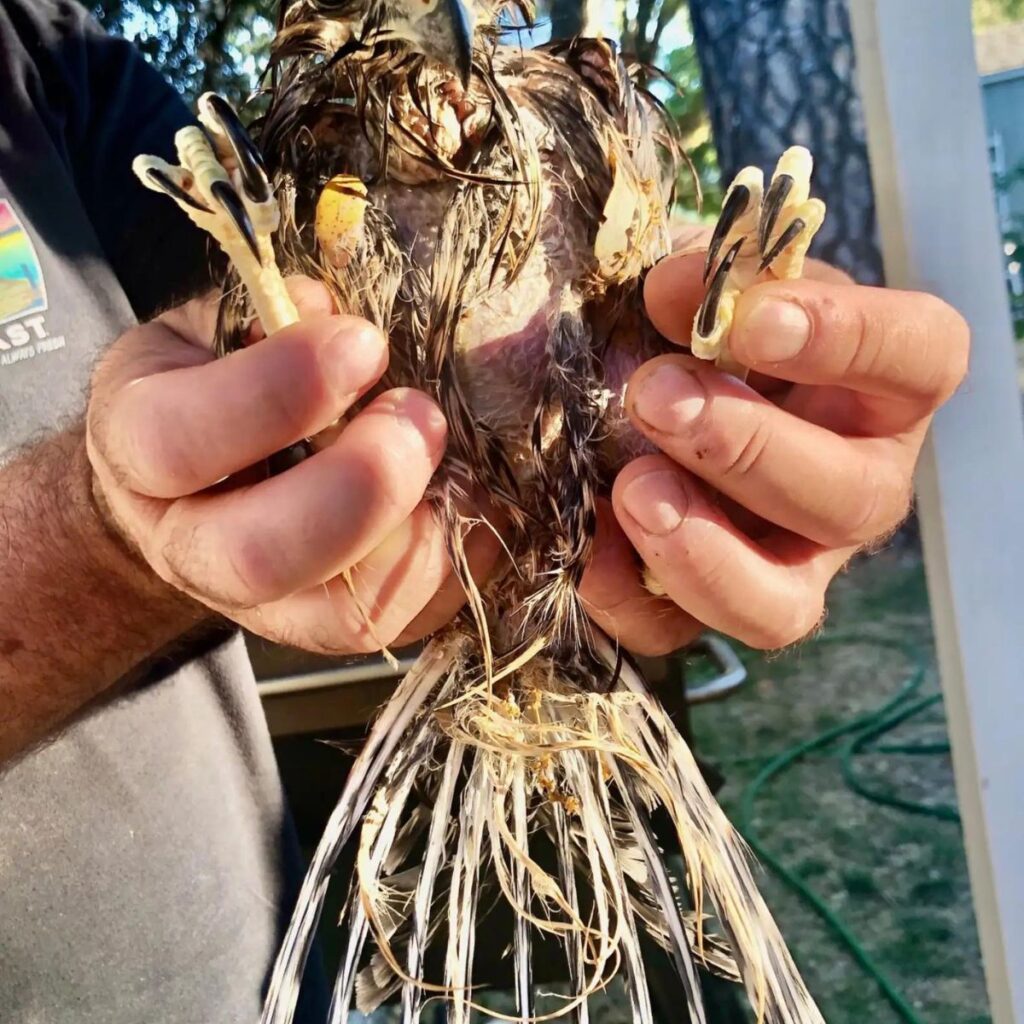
pixel 174 434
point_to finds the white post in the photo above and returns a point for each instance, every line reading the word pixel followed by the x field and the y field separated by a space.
pixel 937 218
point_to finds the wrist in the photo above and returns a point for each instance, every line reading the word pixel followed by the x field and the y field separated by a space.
pixel 110 553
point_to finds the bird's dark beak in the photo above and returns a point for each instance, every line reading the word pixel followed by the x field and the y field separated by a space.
pixel 445 34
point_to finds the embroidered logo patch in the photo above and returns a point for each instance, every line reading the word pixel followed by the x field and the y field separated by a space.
pixel 22 289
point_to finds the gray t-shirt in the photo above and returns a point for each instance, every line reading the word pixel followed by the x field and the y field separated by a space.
pixel 146 858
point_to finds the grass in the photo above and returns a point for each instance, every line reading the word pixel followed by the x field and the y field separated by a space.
pixel 898 880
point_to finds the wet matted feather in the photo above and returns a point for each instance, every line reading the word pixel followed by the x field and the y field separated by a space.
pixel 497 220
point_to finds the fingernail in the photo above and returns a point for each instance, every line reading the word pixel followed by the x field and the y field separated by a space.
pixel 668 398
pixel 774 330
pixel 657 501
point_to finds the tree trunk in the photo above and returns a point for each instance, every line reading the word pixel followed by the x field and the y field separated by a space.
pixel 568 18
pixel 779 73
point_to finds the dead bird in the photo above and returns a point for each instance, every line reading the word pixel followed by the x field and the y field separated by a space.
pixel 494 210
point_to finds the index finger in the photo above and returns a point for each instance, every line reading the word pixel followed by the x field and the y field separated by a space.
pixel 196 321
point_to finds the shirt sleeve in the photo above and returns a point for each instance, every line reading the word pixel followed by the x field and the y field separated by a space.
pixel 117 106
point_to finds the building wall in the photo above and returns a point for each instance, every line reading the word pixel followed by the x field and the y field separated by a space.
pixel 1004 113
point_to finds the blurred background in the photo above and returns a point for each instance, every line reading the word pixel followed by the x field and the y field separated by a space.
pixel 743 78
pixel 835 757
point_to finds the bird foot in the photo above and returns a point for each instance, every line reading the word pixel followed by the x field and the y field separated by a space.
pixel 759 232
pixel 222 185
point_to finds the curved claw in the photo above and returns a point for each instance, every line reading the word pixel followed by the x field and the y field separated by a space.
pixel 167 184
pixel 251 167
pixel 790 235
pixel 771 209
pixel 751 225
pixel 736 204
pixel 708 314
pixel 229 202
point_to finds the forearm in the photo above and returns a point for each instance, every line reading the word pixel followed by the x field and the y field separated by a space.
pixel 77 611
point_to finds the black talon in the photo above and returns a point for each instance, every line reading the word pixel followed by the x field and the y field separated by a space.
pixel 790 235
pixel 735 206
pixel 232 205
pixel 250 160
pixel 771 208
pixel 709 308
pixel 172 188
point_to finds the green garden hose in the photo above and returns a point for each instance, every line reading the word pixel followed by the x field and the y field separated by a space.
pixel 860 733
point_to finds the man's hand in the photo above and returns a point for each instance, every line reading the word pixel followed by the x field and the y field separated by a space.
pixel 173 436
pixel 766 489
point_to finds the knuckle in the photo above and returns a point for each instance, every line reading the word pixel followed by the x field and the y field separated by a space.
pixel 712 567
pixel 740 457
pixel 308 371
pixel 394 478
pixel 882 502
pixel 866 345
pixel 141 455
pixel 360 629
pixel 417 412
pixel 794 622
pixel 175 556
pixel 297 399
pixel 253 575
pixel 96 428
pixel 157 459
pixel 395 486
pixel 98 409
pixel 237 572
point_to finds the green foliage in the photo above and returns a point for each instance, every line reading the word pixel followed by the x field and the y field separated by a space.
pixel 198 45
pixel 657 33
pixel 687 106
pixel 222 45
pixel 989 13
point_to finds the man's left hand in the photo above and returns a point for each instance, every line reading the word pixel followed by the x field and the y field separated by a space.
pixel 767 488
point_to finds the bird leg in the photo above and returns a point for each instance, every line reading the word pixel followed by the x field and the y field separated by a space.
pixel 759 232
pixel 222 185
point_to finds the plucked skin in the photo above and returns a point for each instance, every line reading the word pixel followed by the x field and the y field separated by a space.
pixel 507 228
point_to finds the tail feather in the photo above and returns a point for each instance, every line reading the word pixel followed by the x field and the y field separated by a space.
pixel 521 889
pixel 567 877
pixel 379 833
pixel 436 661
pixel 551 750
pixel 661 887
pixel 434 859
pixel 719 864
pixel 465 892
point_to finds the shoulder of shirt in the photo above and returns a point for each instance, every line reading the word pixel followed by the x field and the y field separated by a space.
pixel 47 11
pixel 52 20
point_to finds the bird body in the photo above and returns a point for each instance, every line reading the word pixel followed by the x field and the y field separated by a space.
pixel 495 216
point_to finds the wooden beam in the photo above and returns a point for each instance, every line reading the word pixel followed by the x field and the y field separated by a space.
pixel 937 218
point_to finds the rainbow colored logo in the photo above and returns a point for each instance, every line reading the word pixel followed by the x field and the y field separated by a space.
pixel 22 289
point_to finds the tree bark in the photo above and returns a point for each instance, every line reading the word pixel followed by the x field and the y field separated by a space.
pixel 568 18
pixel 779 73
